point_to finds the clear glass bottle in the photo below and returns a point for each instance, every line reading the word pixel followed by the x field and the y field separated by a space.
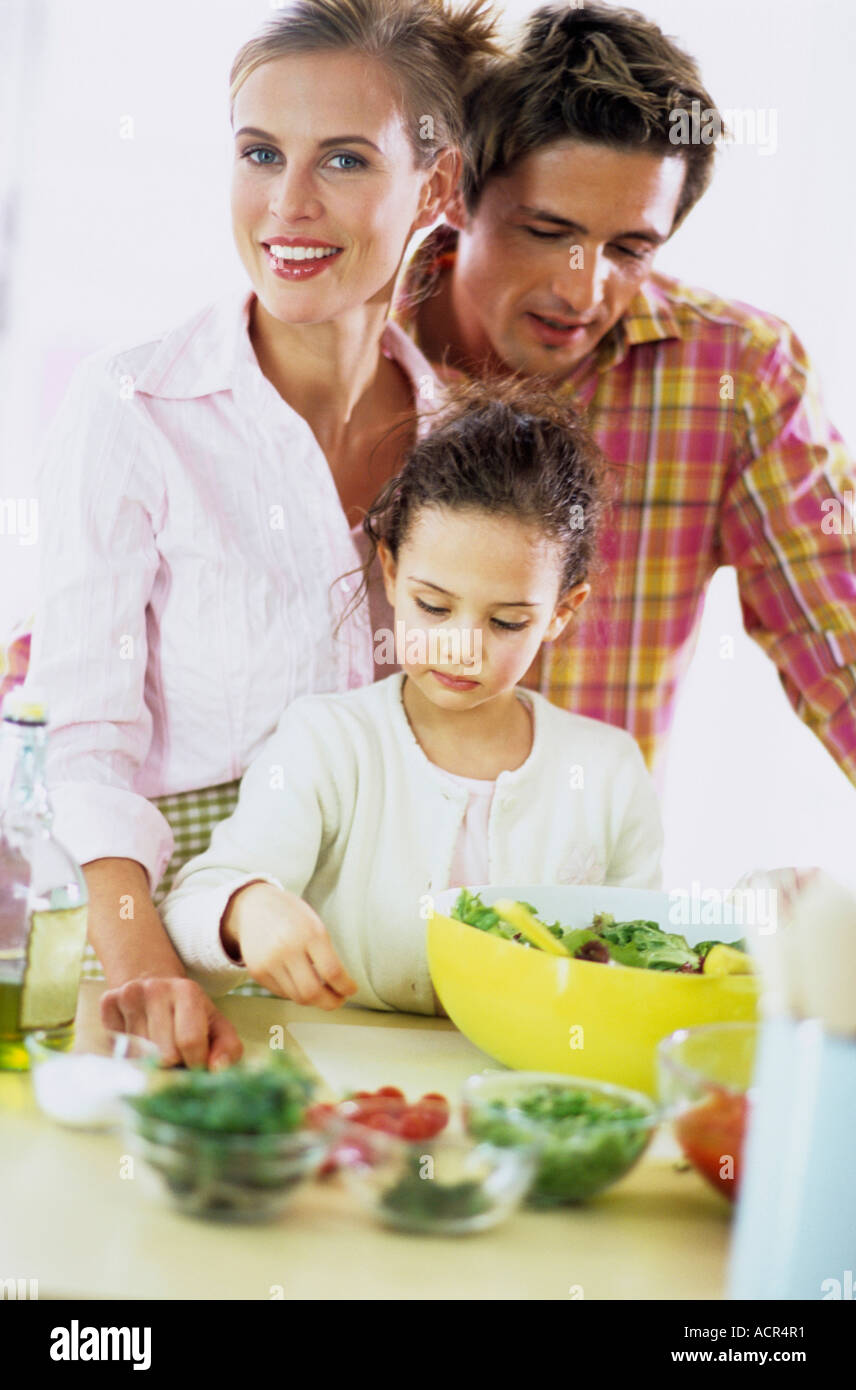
pixel 43 897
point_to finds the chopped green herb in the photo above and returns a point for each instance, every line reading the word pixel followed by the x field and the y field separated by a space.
pixel 587 1140
pixel 238 1100
pixel 421 1199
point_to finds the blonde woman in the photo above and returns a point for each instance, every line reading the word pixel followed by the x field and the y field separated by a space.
pixel 202 491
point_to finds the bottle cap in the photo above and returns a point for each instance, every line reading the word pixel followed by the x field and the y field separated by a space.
pixel 26 705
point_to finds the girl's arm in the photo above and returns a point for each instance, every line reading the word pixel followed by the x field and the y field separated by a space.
pixel 236 911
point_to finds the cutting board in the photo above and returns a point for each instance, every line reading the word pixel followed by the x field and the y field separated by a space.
pixel 414 1059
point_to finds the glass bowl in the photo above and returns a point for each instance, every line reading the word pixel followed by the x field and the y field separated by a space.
pixel 81 1084
pixel 704 1084
pixel 227 1177
pixel 447 1185
pixel 588 1133
pixel 230 1145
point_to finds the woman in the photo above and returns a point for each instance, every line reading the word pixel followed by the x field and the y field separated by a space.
pixel 199 492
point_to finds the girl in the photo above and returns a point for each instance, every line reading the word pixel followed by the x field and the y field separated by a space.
pixel 363 805
pixel 200 490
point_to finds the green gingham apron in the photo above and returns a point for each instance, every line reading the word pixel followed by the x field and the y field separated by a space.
pixel 192 817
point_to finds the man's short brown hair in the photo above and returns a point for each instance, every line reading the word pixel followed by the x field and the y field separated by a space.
pixel 597 74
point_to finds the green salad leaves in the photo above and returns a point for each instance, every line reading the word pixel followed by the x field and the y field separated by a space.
pixel 638 943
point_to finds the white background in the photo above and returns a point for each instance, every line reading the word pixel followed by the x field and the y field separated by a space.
pixel 118 238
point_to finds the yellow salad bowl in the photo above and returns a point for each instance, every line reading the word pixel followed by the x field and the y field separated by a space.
pixel 538 1012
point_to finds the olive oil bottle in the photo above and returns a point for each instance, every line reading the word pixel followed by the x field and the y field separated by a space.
pixel 43 898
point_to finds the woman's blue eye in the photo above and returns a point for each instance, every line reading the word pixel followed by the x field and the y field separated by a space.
pixel 356 164
pixel 257 149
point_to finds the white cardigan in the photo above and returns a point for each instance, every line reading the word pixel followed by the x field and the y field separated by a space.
pixel 342 807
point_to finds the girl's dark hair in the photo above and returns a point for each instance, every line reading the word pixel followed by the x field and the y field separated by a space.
pixel 507 447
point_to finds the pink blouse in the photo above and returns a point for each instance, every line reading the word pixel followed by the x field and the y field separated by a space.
pixel 193 546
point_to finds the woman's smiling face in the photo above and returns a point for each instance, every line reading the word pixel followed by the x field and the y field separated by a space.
pixel 332 177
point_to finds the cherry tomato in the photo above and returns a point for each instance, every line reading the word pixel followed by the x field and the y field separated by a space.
pixel 432 1105
pixel 387 1124
pixel 358 1110
pixel 385 1111
pixel 435 1106
pixel 422 1122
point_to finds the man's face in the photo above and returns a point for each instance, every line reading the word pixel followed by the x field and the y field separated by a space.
pixel 556 250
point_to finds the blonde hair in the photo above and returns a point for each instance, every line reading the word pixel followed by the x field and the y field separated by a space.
pixel 434 54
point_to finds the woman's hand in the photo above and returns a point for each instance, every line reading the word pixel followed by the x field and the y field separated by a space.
pixel 285 946
pixel 148 991
pixel 177 1015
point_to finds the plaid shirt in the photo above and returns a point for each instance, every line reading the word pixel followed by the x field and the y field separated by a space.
pixel 713 414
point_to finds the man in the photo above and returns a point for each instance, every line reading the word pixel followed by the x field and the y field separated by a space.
pixel 710 409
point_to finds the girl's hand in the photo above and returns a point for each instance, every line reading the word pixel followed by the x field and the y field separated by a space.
pixel 285 946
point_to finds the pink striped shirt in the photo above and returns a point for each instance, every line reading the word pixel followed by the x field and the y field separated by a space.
pixel 191 531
